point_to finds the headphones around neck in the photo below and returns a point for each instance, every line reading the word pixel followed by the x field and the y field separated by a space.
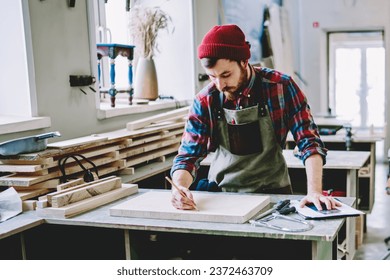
pixel 88 175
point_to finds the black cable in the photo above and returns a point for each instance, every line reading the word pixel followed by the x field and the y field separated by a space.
pixel 88 176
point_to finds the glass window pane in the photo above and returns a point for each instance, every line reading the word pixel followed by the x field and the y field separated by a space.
pixel 347 79
pixel 376 90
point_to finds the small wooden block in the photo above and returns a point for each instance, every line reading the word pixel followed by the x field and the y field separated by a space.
pixel 24 195
pixel 73 196
pixel 88 204
pixel 50 195
pixel 28 205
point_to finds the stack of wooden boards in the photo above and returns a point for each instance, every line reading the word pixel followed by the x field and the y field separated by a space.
pixel 145 140
pixel 76 197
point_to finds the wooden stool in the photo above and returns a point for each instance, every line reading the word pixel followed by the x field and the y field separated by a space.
pixel 112 51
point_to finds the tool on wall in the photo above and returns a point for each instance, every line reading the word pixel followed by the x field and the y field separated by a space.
pixel 276 218
pixel 81 81
pixel 71 3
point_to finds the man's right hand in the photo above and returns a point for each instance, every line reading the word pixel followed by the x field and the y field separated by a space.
pixel 183 202
pixel 182 199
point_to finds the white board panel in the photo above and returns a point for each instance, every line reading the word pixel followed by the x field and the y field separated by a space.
pixel 213 207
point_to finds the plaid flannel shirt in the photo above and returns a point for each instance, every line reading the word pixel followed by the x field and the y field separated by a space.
pixel 287 105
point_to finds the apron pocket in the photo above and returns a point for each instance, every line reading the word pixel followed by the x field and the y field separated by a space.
pixel 245 139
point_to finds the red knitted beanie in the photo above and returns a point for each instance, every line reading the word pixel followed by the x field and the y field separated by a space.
pixel 225 41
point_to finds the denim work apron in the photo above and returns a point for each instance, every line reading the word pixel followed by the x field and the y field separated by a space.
pixel 248 159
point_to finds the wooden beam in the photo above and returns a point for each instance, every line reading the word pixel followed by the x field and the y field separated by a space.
pixel 73 196
pixel 70 184
pixel 24 195
pixel 50 184
pixel 168 116
pixel 151 155
pixel 49 196
pixel 88 204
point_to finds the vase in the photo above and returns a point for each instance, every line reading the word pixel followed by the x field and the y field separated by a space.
pixel 145 84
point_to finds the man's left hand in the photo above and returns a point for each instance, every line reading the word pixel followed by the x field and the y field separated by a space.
pixel 317 198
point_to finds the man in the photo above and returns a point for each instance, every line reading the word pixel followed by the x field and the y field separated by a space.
pixel 244 115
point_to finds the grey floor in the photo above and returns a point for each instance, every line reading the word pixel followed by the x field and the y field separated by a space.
pixel 378 221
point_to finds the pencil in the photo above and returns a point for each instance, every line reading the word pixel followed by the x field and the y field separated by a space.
pixel 180 191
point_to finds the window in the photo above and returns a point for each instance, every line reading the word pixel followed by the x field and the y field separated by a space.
pixel 356 77
pixel 18 109
pixel 174 63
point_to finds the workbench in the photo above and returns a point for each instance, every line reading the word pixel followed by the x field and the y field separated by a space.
pixel 347 162
pixel 341 166
pixel 318 243
pixel 361 141
pixel 341 171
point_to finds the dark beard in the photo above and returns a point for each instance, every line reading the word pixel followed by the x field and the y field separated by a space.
pixel 242 82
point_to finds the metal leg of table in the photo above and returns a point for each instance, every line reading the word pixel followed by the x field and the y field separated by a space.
pixel 23 246
pixel 127 244
pixel 324 250
pixel 352 191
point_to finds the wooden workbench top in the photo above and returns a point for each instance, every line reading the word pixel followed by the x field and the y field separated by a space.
pixel 324 230
pixel 334 159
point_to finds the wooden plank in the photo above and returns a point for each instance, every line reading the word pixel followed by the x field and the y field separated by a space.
pixel 27 194
pixel 159 136
pixel 123 134
pixel 39 157
pixel 106 169
pixel 142 149
pixel 15 161
pixel 112 167
pixel 77 142
pixel 65 147
pixel 88 204
pixel 172 115
pixel 148 170
pixel 151 155
pixel 220 208
pixel 73 167
pixel 70 184
pixel 25 181
pixel 106 150
pixel 37 173
pixel 50 184
pixel 127 171
pixel 21 168
pixel 22 180
pixel 74 187
pixel 73 196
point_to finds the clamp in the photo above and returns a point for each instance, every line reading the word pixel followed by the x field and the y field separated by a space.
pixel 279 211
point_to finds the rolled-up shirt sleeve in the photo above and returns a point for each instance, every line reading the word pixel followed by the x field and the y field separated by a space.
pixel 302 125
pixel 195 139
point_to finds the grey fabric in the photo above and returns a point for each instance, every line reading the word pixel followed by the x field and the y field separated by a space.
pixel 256 172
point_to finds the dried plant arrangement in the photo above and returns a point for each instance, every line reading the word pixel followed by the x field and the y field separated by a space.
pixel 145 24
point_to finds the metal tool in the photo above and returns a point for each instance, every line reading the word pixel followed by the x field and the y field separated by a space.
pixel 24 145
pixel 279 211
